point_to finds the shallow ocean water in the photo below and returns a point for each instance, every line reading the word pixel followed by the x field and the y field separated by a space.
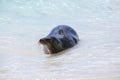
pixel 24 22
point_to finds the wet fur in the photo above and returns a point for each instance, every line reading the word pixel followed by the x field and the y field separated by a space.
pixel 60 38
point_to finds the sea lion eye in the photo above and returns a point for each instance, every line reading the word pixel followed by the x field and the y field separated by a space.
pixel 48 40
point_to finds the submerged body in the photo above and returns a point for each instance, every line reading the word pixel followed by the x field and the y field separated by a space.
pixel 60 38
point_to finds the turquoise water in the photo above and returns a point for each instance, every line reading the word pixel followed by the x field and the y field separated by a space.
pixel 24 22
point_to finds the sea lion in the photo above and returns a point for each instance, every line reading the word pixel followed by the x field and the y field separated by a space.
pixel 60 38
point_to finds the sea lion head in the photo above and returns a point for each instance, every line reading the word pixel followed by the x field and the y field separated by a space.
pixel 51 44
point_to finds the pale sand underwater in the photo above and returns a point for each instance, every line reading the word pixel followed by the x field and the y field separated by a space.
pixel 96 57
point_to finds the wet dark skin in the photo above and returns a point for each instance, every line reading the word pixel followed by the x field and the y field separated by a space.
pixel 60 38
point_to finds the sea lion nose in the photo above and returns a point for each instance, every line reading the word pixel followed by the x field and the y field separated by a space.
pixel 44 40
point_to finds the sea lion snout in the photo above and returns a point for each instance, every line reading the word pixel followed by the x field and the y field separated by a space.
pixel 44 40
